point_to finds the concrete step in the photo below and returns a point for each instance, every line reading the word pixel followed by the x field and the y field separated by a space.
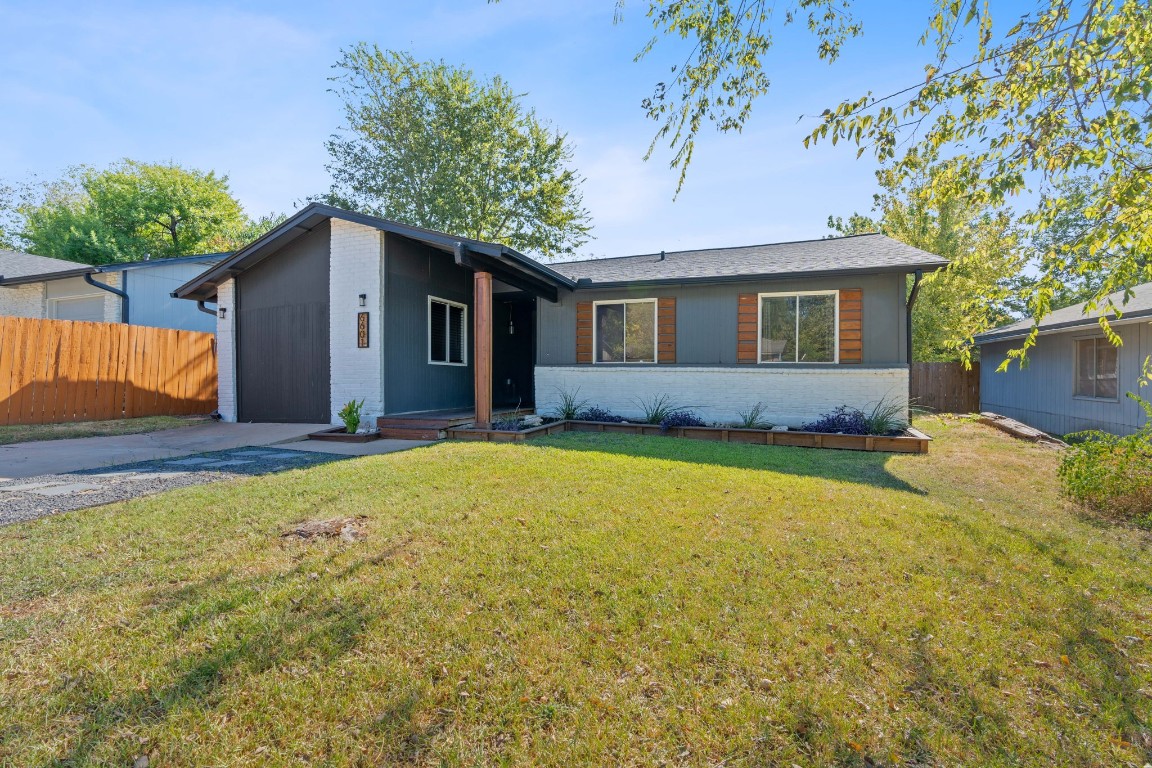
pixel 411 433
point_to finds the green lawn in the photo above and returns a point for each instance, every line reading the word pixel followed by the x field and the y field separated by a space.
pixel 22 433
pixel 589 600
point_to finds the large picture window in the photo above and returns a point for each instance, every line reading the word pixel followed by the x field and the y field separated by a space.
pixel 1097 373
pixel 625 331
pixel 447 332
pixel 798 327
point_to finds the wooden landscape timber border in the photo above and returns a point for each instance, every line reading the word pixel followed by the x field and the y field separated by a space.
pixel 912 441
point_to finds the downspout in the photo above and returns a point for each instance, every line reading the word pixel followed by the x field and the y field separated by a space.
pixel 912 303
pixel 200 306
pixel 123 296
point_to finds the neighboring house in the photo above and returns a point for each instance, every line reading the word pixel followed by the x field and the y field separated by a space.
pixel 138 292
pixel 1074 378
pixel 333 306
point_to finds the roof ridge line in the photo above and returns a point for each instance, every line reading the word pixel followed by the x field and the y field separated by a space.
pixel 721 248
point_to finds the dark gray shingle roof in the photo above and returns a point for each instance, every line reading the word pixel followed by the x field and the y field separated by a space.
pixel 1068 318
pixel 17 264
pixel 858 253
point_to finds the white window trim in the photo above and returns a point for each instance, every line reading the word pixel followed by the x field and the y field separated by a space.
pixel 448 333
pixel 655 336
pixel 789 294
pixel 55 301
pixel 1076 368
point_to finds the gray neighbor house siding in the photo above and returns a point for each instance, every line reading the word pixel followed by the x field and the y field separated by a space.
pixel 1041 394
pixel 706 318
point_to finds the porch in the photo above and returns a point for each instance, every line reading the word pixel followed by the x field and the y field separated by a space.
pixel 431 425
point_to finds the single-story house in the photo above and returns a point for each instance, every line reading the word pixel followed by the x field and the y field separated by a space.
pixel 137 292
pixel 1074 378
pixel 334 305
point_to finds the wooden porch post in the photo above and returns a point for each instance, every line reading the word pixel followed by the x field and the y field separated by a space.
pixel 482 347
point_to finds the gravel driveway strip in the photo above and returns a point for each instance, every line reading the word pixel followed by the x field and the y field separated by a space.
pixel 30 498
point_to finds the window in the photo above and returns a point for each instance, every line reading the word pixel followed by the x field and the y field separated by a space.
pixel 1096 369
pixel 798 327
pixel 625 331
pixel 447 332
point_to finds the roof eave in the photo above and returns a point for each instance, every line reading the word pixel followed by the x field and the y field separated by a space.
pixel 1070 325
pixel 749 277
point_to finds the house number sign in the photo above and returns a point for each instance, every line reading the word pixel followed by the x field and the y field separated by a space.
pixel 362 330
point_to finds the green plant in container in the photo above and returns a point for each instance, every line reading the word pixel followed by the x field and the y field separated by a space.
pixel 350 415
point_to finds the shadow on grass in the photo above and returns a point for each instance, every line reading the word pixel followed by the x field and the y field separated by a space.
pixel 863 467
pixel 255 634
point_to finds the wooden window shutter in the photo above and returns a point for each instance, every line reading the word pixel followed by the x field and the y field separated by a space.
pixel 746 331
pixel 666 330
pixel 583 332
pixel 851 325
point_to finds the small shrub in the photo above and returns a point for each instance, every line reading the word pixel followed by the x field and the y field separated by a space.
pixel 507 425
pixel 350 415
pixel 596 413
pixel 681 418
pixel 569 405
pixel 849 421
pixel 753 418
pixel 1112 475
pixel 658 408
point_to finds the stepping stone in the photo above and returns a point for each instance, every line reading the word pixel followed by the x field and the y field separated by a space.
pixel 63 490
pixel 132 477
pixel 30 486
pixel 232 463
pixel 189 462
pixel 252 453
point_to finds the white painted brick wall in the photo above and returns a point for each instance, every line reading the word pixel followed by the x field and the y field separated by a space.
pixel 356 267
pixel 790 396
pixel 226 350
pixel 22 301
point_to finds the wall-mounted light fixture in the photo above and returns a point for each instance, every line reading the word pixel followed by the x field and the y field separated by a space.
pixel 363 299
pixel 223 312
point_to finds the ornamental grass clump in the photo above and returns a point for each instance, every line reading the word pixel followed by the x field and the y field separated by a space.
pixel 1112 475
pixel 570 404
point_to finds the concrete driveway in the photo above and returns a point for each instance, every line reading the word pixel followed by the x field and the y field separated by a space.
pixel 52 457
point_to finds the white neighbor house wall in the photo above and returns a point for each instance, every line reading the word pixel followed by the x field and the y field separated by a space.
pixel 790 395
pixel 22 301
pixel 357 266
pixel 226 350
pixel 33 300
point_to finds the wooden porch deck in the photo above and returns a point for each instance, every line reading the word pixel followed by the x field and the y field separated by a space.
pixel 431 425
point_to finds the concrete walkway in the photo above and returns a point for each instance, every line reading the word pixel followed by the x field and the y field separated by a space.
pixel 374 448
pixel 53 457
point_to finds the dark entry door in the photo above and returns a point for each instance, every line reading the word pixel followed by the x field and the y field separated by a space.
pixel 282 355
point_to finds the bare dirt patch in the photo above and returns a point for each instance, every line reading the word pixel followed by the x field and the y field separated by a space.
pixel 347 529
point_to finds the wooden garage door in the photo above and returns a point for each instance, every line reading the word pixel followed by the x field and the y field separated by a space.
pixel 282 354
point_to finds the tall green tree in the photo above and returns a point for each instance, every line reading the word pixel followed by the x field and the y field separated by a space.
pixel 984 244
pixel 130 211
pixel 429 144
pixel 1021 105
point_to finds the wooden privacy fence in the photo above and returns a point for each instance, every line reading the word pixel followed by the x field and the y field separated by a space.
pixel 945 387
pixel 57 370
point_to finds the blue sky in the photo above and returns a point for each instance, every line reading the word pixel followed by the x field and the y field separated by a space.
pixel 243 91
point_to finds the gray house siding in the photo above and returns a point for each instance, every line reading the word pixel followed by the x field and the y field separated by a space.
pixel 413 272
pixel 150 301
pixel 706 318
pixel 1041 394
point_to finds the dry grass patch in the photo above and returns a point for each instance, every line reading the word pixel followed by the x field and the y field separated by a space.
pixel 589 599
pixel 23 433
